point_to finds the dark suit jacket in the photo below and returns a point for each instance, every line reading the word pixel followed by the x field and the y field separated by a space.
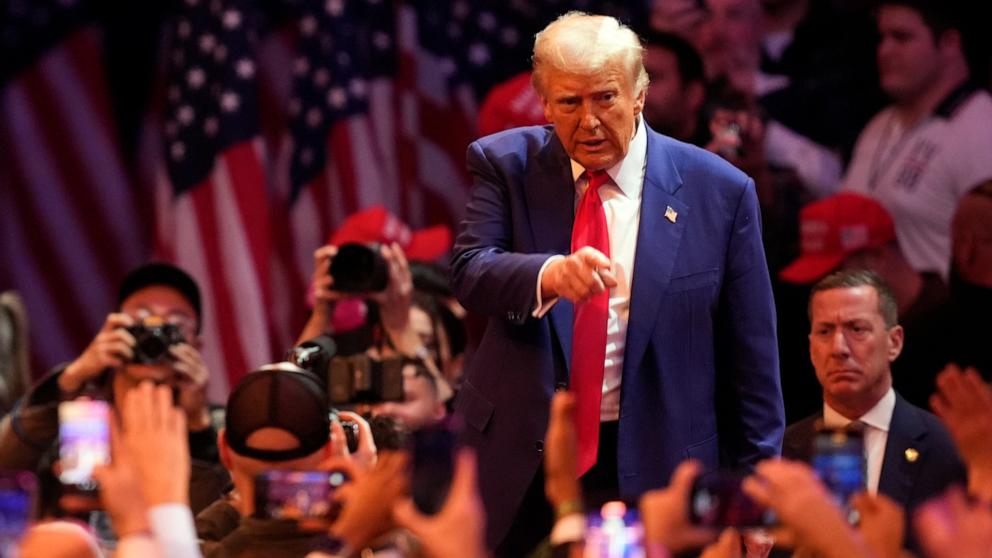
pixel 909 483
pixel 700 372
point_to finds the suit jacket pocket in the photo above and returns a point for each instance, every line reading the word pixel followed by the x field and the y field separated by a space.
pixel 706 451
pixel 474 407
pixel 693 281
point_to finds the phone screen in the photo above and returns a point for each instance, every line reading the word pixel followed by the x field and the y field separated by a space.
pixel 717 500
pixel 839 461
pixel 17 497
pixel 306 496
pixel 614 531
pixel 84 441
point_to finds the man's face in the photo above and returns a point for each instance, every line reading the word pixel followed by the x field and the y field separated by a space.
pixel 850 346
pixel 420 407
pixel 172 307
pixel 730 36
pixel 908 58
pixel 664 104
pixel 593 115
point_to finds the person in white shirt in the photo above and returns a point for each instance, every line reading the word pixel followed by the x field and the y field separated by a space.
pixel 921 154
pixel 855 336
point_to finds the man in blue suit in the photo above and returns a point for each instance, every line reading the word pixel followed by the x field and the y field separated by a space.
pixel 659 271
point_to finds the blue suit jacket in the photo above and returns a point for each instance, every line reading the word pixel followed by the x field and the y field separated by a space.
pixel 700 373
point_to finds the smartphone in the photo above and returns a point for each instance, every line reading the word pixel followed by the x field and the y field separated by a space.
pixel 304 496
pixel 84 443
pixel 717 500
pixel 18 490
pixel 614 531
pixel 839 461
pixel 433 465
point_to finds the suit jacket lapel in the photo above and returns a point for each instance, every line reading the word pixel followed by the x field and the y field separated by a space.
pixel 658 242
pixel 906 431
pixel 550 193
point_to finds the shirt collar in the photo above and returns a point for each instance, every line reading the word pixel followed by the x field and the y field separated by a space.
pixel 879 416
pixel 628 173
pixel 953 100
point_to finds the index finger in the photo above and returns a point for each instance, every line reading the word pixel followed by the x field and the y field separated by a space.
pixel 365 439
pixel 593 257
pixel 325 252
pixel 117 320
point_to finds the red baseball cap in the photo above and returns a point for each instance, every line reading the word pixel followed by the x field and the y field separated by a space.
pixel 375 224
pixel 833 228
pixel 511 104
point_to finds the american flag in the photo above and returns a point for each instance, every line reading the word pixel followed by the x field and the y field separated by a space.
pixel 70 225
pixel 361 102
pixel 212 201
pixel 374 119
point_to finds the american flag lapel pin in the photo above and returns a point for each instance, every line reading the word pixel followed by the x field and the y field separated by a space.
pixel 671 214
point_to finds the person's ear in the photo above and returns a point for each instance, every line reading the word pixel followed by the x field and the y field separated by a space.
pixel 439 411
pixel 950 43
pixel 695 94
pixel 223 449
pixel 546 105
pixel 896 338
pixel 639 101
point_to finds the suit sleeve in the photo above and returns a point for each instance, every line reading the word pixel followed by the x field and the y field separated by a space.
pixel 487 276
pixel 747 346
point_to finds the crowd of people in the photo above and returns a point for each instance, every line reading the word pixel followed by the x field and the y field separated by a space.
pixel 725 245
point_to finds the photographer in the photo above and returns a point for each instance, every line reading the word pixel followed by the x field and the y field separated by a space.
pixel 364 292
pixel 277 420
pixel 153 336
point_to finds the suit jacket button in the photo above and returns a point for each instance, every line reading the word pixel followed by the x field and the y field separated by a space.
pixel 539 446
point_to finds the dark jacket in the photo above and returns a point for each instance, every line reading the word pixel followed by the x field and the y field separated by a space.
pixel 262 538
pixel 909 479
pixel 32 427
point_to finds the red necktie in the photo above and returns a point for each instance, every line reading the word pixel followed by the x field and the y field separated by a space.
pixel 589 327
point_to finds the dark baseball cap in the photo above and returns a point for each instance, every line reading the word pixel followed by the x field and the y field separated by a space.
pixel 161 273
pixel 282 396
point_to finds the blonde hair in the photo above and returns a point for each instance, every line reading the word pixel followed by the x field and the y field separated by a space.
pixel 581 43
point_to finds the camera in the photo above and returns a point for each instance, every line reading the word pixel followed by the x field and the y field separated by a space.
pixel 359 268
pixel 152 341
pixel 350 429
pixel 353 379
pixel 362 379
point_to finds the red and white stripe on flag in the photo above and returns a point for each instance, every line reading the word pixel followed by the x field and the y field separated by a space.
pixel 70 224
pixel 218 231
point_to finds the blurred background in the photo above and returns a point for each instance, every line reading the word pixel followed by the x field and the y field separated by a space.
pixel 232 137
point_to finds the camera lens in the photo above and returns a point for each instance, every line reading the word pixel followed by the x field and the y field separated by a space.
pixel 359 268
pixel 153 347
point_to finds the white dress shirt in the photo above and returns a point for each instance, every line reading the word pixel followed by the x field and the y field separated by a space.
pixel 876 422
pixel 621 197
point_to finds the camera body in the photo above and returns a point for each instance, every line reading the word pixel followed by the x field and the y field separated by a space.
pixel 362 379
pixel 359 268
pixel 152 341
